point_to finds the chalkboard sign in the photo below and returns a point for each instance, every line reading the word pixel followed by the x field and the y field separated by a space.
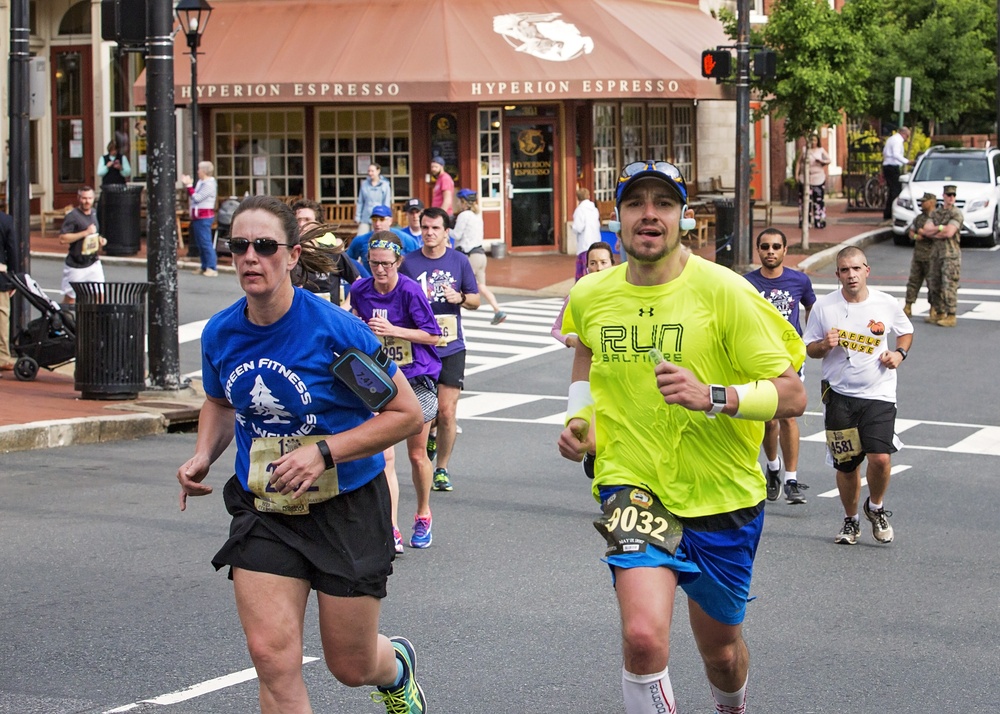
pixel 444 141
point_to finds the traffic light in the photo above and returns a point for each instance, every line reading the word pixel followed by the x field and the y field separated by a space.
pixel 716 64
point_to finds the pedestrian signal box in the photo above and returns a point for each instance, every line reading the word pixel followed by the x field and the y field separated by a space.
pixel 716 64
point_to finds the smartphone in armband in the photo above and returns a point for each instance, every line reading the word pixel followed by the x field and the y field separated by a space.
pixel 367 377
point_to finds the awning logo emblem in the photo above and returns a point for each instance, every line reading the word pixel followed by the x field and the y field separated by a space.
pixel 543 35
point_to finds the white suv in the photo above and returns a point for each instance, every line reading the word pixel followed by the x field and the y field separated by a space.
pixel 975 172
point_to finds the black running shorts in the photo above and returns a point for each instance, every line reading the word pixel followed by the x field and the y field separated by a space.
pixel 342 547
pixel 453 370
pixel 875 421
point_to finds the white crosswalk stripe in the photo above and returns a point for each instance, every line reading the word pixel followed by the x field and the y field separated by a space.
pixel 526 333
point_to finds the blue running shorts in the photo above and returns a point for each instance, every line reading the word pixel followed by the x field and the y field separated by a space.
pixel 714 568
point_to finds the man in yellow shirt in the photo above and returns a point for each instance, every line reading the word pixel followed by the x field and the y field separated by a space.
pixel 680 363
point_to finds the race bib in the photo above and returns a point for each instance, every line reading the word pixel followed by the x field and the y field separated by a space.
pixel 91 244
pixel 844 444
pixel 398 349
pixel 449 329
pixel 263 452
pixel 634 518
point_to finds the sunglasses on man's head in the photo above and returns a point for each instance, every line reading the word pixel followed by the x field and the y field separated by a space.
pixel 261 246
pixel 765 246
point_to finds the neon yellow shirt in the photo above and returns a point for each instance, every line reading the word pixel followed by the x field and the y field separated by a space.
pixel 709 320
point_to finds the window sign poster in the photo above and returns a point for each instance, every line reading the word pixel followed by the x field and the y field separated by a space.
pixel 364 161
pixel 142 164
pixel 260 166
pixel 444 141
pixel 75 149
pixel 77 125
pixel 402 167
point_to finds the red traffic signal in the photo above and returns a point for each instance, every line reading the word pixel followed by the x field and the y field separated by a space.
pixel 716 64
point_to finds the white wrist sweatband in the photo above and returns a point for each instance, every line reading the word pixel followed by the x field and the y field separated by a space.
pixel 580 402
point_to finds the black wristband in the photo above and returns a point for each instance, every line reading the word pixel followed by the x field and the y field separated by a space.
pixel 463 299
pixel 324 450
pixel 901 351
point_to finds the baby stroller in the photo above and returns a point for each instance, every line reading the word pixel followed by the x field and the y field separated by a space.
pixel 224 218
pixel 48 341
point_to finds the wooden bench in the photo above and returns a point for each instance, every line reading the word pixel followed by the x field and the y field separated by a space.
pixel 55 215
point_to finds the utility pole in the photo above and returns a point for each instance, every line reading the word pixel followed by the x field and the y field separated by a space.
pixel 18 177
pixel 161 234
pixel 741 239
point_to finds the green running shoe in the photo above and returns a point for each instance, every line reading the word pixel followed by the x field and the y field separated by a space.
pixel 408 697
pixel 441 480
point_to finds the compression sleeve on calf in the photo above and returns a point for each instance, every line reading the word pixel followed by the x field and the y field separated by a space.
pixel 758 400
pixel 580 403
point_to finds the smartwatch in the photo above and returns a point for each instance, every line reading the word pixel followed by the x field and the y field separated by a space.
pixel 901 351
pixel 717 393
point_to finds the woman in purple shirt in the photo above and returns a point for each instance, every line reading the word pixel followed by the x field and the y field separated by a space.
pixel 397 311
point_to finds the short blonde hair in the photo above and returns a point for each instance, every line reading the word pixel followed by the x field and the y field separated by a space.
pixel 207 166
pixel 582 194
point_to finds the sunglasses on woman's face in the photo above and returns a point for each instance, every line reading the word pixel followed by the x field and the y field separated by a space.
pixel 261 246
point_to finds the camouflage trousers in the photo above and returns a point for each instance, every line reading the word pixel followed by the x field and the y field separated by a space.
pixel 943 282
pixel 920 269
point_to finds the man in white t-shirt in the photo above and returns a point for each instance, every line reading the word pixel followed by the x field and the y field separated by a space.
pixel 586 229
pixel 849 330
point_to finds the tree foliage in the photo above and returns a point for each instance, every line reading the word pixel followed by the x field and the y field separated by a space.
pixel 947 48
pixel 824 61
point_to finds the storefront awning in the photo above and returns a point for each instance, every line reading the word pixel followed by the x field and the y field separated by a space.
pixel 388 51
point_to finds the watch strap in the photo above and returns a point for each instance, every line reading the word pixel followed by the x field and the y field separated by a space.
pixel 324 450
pixel 717 393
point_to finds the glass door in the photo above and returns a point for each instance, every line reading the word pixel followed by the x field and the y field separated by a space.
pixel 531 183
pixel 74 158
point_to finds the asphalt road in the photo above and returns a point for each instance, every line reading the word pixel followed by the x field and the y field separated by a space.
pixel 107 597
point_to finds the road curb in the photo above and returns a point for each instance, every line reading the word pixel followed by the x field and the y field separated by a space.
pixel 820 260
pixel 80 430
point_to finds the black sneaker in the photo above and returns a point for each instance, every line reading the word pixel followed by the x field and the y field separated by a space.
pixel 773 482
pixel 849 533
pixel 793 492
pixel 880 523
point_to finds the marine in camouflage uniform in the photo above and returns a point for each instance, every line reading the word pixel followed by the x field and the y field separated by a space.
pixel 920 264
pixel 946 259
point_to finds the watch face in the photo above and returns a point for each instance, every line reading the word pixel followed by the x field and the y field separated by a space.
pixel 718 395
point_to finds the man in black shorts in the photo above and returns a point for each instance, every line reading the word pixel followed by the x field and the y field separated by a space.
pixel 849 330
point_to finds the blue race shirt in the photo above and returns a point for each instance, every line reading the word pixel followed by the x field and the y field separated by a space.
pixel 277 377
pixel 433 274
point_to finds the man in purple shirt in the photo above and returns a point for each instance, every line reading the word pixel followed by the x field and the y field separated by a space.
pixel 449 283
pixel 786 289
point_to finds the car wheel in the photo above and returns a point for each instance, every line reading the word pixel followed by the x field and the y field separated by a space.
pixel 994 237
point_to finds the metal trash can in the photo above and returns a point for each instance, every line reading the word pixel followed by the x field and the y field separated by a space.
pixel 725 230
pixel 119 216
pixel 110 340
pixel 498 249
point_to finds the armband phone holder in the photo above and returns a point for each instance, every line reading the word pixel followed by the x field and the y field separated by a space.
pixel 367 377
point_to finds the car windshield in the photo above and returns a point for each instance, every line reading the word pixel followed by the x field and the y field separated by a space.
pixel 973 169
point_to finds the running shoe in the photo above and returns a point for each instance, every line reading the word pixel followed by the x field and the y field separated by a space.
pixel 432 445
pixel 498 317
pixel 441 480
pixel 397 540
pixel 849 533
pixel 773 482
pixel 880 523
pixel 408 697
pixel 421 537
pixel 793 492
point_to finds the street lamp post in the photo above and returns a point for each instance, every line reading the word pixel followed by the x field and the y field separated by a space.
pixel 193 17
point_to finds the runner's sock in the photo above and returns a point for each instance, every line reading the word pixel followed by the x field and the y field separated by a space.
pixel 648 693
pixel 872 506
pixel 774 465
pixel 791 476
pixel 730 702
